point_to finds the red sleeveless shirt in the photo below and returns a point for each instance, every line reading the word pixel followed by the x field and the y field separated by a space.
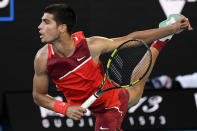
pixel 77 76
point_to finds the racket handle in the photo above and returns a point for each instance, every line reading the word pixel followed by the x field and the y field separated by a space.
pixel 89 101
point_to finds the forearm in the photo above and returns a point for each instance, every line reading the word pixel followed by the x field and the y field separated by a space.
pixel 49 102
pixel 44 100
pixel 153 34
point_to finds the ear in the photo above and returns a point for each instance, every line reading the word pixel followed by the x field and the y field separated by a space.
pixel 62 28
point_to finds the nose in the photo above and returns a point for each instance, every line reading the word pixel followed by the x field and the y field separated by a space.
pixel 40 26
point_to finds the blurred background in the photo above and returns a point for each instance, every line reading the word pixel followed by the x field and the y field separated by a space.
pixel 169 101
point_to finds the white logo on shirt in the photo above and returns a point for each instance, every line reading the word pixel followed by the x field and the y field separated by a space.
pixel 101 128
pixel 79 59
pixel 75 38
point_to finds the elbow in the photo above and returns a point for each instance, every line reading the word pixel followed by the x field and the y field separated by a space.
pixel 133 102
pixel 136 101
pixel 35 98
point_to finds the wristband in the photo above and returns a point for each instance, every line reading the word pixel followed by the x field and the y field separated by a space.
pixel 60 107
pixel 159 44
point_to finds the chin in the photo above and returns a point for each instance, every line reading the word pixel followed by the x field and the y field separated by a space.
pixel 44 41
pixel 47 41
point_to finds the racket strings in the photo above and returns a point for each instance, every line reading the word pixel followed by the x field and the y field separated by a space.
pixel 141 68
pixel 129 64
pixel 115 72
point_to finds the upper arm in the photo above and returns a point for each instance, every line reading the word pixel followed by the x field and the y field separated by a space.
pixel 40 83
pixel 102 44
pixel 41 79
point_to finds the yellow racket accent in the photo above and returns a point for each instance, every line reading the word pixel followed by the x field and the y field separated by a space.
pixel 105 77
pixel 112 55
pixel 133 83
pixel 108 63
pixel 125 86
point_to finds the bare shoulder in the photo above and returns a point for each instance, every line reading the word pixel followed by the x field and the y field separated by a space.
pixel 40 60
pixel 97 39
pixel 99 44
pixel 103 44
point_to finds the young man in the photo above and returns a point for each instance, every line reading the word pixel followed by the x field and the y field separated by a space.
pixel 72 62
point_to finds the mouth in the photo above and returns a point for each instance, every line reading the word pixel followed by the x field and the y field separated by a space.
pixel 41 35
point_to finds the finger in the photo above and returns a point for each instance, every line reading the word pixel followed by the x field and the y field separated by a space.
pixel 76 117
pixel 186 26
pixel 79 113
pixel 184 21
pixel 189 26
pixel 82 110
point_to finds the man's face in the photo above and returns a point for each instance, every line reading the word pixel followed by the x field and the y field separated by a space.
pixel 48 29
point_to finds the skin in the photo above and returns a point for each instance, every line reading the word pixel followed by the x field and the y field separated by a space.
pixel 63 43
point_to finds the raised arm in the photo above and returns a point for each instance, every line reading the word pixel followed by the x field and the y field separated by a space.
pixel 157 33
pixel 106 45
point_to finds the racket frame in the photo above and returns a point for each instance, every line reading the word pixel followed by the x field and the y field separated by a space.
pixel 93 97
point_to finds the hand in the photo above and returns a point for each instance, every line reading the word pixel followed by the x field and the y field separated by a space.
pixel 75 112
pixel 182 24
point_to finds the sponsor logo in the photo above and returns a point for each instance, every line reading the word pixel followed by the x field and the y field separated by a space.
pixel 6 10
pixel 76 38
pixel 173 6
pixel 101 128
pixel 79 59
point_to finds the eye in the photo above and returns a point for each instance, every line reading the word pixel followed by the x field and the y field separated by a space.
pixel 46 21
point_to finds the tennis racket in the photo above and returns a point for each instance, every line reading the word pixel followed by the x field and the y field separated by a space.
pixel 128 64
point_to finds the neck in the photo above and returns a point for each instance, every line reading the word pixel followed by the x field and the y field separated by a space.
pixel 64 46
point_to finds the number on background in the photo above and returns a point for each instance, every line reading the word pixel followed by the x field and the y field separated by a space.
pixel 154 102
pixel 134 108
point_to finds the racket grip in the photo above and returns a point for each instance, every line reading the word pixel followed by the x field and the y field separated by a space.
pixel 89 101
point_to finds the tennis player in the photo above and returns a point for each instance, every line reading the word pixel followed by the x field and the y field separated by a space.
pixel 72 62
